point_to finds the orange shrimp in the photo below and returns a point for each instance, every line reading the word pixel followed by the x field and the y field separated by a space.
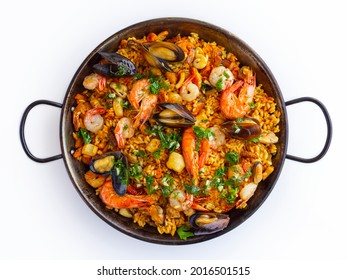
pixel 78 112
pixel 147 106
pixel 113 200
pixel 189 154
pixel 203 153
pixel 237 105
pixel 137 92
pixel 124 129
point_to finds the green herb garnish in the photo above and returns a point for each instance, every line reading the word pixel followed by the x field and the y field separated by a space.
pixel 84 133
pixel 156 84
pixel 203 133
pixel 184 232
pixel 232 158
pixel 149 184
pixel 192 189
pixel 135 172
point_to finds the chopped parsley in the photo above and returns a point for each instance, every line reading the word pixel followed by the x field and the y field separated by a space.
pixel 167 185
pixel 184 232
pixel 170 141
pixel 156 84
pixel 191 189
pixel 203 133
pixel 135 172
pixel 149 184
pixel 232 158
pixel 84 133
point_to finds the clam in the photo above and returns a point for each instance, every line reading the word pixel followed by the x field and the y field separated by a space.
pixel 119 66
pixel 158 54
pixel 244 129
pixel 207 223
pixel 174 115
pixel 114 164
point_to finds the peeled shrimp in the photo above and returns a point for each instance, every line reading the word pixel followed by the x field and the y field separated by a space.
pixel 94 81
pixel 93 120
pixel 190 89
pixel 218 139
pixel 220 75
pixel 124 129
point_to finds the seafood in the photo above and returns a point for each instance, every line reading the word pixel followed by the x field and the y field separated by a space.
pixel 94 81
pixel 208 223
pixel 174 115
pixel 113 200
pixel 147 106
pixel 137 92
pixel 245 194
pixel 120 66
pixel 158 53
pixel 235 105
pixel 190 89
pixel 114 164
pixel 221 76
pixel 124 129
pixel 244 129
pixel 93 120
pixel 190 155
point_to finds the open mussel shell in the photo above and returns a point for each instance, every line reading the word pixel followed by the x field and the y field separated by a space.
pixel 174 115
pixel 114 164
pixel 119 66
pixel 208 223
pixel 158 54
pixel 244 129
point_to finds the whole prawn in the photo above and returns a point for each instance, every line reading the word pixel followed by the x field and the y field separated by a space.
pixel 113 200
pixel 235 105
pixel 193 160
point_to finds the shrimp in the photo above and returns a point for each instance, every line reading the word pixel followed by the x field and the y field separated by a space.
pixel 213 202
pixel 137 92
pixel 203 153
pixel 245 194
pixel 147 106
pixel 220 76
pixel 218 139
pixel 93 120
pixel 94 81
pixel 190 89
pixel 124 129
pixel 113 200
pixel 180 200
pixel 189 154
pixel 238 105
pixel 78 112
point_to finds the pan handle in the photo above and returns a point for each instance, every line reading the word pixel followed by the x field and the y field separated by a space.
pixel 329 129
pixel 22 127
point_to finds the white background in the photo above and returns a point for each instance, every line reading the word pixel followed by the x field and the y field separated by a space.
pixel 44 42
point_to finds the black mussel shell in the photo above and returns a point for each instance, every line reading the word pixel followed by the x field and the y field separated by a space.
pixel 243 129
pixel 158 54
pixel 165 51
pixel 120 66
pixel 114 164
pixel 174 115
pixel 208 223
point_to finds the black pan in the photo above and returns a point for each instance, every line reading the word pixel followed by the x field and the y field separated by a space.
pixel 208 32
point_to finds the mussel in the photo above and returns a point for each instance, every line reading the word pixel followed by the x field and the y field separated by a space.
pixel 244 129
pixel 119 66
pixel 174 115
pixel 158 54
pixel 207 223
pixel 114 164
